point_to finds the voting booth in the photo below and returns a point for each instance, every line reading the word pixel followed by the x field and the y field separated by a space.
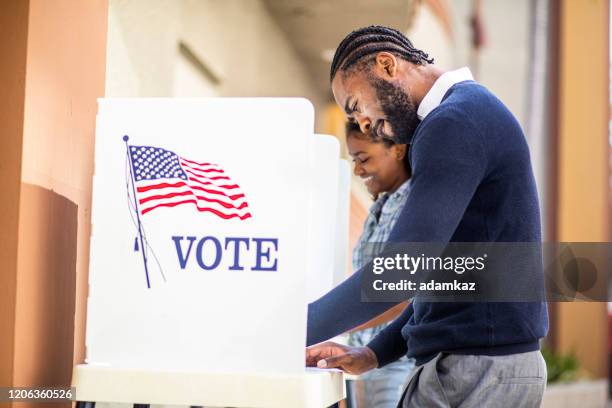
pixel 214 222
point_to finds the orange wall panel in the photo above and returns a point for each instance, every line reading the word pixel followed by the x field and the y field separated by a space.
pixel 13 41
pixel 582 212
pixel 52 72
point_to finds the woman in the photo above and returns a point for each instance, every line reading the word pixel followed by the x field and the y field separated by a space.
pixel 384 168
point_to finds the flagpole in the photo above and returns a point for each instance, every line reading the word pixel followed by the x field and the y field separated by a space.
pixel 142 244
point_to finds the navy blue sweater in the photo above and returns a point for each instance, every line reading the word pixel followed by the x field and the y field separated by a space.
pixel 471 182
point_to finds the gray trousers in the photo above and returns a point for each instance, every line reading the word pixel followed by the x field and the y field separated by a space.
pixel 467 381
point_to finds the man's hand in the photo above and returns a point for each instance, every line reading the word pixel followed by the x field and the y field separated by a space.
pixel 353 360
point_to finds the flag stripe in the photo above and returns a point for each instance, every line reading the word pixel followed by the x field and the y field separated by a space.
pixel 162 196
pixel 206 176
pixel 208 190
pixel 201 209
pixel 211 170
pixel 186 189
pixel 194 167
pixel 196 163
pixel 202 203
pixel 144 189
pixel 232 197
pixel 203 166
pixel 203 181
pixel 204 170
pixel 242 205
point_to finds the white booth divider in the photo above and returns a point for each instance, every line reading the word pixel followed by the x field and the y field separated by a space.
pixel 208 218
pixel 325 155
pixel 342 223
pixel 223 293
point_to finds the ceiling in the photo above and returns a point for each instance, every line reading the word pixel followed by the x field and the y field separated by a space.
pixel 316 27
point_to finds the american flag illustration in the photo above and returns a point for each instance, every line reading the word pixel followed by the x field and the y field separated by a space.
pixel 164 179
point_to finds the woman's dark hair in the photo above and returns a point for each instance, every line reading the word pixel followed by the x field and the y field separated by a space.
pixel 352 129
pixel 369 40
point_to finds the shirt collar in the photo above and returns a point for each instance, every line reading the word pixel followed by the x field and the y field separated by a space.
pixel 377 205
pixel 385 197
pixel 433 98
pixel 401 190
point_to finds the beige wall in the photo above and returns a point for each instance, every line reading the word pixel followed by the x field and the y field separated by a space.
pixel 427 33
pixel 502 63
pixel 238 40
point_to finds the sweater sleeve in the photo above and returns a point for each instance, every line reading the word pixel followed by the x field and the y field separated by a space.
pixel 389 345
pixel 448 163
pixel 340 310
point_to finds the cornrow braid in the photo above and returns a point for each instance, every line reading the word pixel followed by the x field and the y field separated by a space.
pixel 369 40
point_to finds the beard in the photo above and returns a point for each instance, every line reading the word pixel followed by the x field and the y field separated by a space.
pixel 399 110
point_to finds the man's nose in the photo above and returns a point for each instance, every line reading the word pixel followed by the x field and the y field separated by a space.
pixel 364 123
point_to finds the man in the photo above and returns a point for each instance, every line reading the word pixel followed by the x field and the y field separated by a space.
pixel 471 182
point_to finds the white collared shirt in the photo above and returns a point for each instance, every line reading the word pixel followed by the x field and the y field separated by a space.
pixel 433 98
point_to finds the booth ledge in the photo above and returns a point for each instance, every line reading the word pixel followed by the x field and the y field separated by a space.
pixel 312 388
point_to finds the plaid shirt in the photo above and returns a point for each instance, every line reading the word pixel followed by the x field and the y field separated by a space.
pixel 376 229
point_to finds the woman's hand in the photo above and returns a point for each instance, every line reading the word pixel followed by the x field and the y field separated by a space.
pixel 352 360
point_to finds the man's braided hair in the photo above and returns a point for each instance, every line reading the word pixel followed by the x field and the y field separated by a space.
pixel 369 40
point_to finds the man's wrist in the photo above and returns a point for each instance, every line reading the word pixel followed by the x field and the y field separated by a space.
pixel 372 359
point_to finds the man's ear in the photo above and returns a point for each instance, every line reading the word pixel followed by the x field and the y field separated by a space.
pixel 386 64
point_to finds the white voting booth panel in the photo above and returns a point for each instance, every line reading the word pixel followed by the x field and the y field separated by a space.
pixel 325 153
pixel 342 223
pixel 199 247
pixel 330 217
